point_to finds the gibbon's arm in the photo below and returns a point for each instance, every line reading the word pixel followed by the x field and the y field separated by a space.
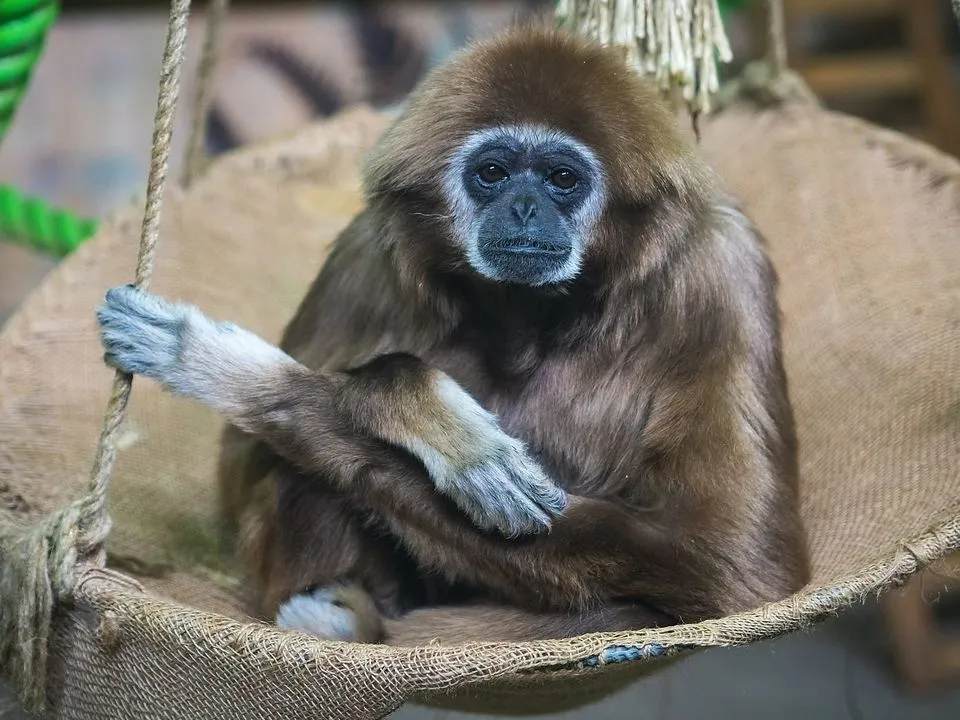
pixel 596 550
pixel 394 398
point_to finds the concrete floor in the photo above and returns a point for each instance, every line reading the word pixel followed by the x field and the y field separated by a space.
pixel 840 670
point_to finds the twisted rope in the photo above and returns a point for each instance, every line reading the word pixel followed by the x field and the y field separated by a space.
pixel 203 96
pixel 40 565
pixel 28 221
pixel 24 25
pixel 769 81
pixel 31 222
pixel 776 37
pixel 149 236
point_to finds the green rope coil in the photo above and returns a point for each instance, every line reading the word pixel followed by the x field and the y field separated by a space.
pixel 23 29
pixel 24 220
pixel 44 228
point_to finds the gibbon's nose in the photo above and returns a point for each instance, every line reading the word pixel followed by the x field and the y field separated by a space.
pixel 524 208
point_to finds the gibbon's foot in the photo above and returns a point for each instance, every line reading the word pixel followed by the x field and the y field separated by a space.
pixel 340 611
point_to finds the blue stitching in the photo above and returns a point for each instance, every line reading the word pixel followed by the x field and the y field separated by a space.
pixel 631 653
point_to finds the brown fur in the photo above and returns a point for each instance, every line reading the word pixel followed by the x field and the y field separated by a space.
pixel 651 387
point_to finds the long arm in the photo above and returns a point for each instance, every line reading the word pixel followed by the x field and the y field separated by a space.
pixel 596 549
pixel 395 399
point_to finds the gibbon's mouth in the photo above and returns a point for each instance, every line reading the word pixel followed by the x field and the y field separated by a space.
pixel 524 260
pixel 528 246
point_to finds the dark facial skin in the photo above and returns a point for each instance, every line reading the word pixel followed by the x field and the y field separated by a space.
pixel 526 198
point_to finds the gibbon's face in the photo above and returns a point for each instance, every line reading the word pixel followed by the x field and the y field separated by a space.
pixel 525 199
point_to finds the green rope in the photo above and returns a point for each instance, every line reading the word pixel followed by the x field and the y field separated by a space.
pixel 34 223
pixel 25 220
pixel 23 28
pixel 30 221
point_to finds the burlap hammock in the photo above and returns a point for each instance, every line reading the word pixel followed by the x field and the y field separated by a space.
pixel 863 225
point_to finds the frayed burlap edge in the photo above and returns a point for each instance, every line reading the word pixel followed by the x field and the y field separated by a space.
pixel 514 678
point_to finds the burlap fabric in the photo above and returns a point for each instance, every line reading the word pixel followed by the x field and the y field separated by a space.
pixel 864 227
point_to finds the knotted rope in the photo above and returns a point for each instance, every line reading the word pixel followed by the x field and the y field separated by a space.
pixel 38 568
pixel 769 81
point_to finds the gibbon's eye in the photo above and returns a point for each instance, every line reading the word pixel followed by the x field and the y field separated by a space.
pixel 563 178
pixel 491 174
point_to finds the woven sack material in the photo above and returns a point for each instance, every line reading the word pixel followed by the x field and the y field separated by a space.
pixel 863 227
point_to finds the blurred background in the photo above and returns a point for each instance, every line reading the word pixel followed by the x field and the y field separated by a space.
pixel 81 139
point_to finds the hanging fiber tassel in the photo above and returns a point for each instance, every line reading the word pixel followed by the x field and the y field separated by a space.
pixel 676 42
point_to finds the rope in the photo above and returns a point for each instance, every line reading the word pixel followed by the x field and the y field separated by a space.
pixel 203 96
pixel 768 82
pixel 149 236
pixel 29 221
pixel 24 25
pixel 23 31
pixel 40 565
pixel 776 37
pixel 40 226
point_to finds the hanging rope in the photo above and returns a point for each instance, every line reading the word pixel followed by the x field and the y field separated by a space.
pixel 196 157
pixel 776 37
pixel 39 567
pixel 769 81
pixel 149 235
